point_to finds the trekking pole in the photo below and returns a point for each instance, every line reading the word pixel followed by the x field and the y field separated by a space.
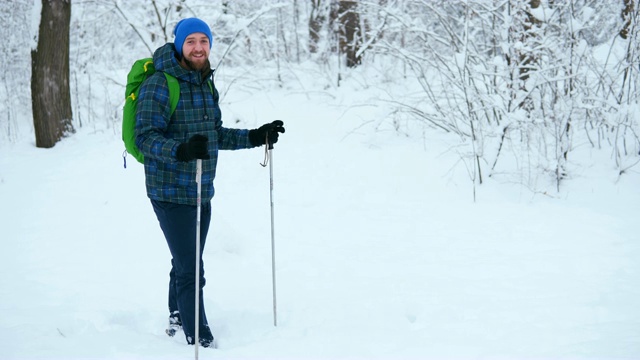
pixel 273 241
pixel 268 159
pixel 198 214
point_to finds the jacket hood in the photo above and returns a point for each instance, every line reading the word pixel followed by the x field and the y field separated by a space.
pixel 165 59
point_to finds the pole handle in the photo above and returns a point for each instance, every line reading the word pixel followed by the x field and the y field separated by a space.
pixel 266 141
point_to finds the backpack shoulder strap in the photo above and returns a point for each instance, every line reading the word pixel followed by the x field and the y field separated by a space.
pixel 174 91
pixel 214 91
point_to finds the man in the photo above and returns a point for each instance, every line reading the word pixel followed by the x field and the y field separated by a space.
pixel 171 143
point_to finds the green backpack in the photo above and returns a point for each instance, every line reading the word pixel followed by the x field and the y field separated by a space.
pixel 140 71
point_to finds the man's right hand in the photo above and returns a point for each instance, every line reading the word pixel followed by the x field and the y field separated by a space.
pixel 195 148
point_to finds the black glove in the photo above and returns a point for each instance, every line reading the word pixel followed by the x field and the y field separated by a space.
pixel 258 136
pixel 195 148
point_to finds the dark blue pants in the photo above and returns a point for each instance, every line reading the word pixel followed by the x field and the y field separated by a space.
pixel 178 223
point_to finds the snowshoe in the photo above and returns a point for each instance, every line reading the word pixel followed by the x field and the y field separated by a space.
pixel 175 323
pixel 206 339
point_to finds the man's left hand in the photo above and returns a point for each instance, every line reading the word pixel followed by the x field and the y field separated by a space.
pixel 266 133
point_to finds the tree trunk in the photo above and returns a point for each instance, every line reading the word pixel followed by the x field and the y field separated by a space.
pixel 627 13
pixel 50 93
pixel 316 21
pixel 528 59
pixel 349 27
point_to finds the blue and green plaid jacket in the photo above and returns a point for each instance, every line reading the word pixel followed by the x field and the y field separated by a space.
pixel 158 133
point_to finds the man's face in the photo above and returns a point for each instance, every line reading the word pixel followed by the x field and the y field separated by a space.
pixel 195 51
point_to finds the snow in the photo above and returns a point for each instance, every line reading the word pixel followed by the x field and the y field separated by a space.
pixel 36 13
pixel 381 252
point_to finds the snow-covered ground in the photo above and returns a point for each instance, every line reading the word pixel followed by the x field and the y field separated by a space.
pixel 381 251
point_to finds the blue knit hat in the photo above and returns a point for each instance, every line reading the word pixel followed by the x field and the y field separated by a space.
pixel 186 27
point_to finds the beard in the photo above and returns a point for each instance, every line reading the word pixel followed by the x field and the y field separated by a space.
pixel 201 67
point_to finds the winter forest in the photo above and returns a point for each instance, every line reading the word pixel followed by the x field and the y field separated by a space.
pixel 458 179
pixel 515 86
